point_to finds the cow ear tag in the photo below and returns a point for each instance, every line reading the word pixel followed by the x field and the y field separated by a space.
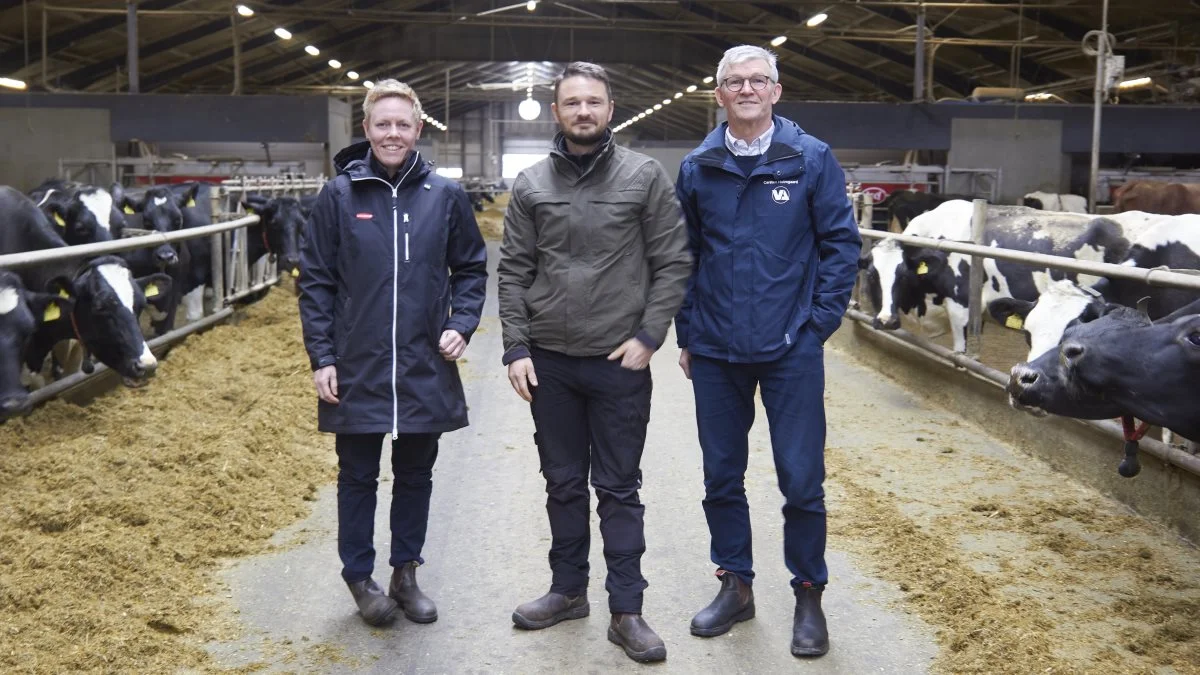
pixel 62 293
pixel 190 203
pixel 52 313
pixel 249 211
pixel 59 219
pixel 151 290
pixel 295 273
pixel 1015 322
pixel 923 268
pixel 129 209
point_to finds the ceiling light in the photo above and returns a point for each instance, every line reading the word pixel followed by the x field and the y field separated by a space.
pixel 779 40
pixel 1039 96
pixel 312 51
pixel 334 63
pixel 666 101
pixel 283 33
pixel 641 115
pixel 816 19
pixel 658 106
pixel 368 84
pixel 649 111
pixel 244 10
pixel 1139 82
pixel 708 80
pixel 352 75
pixel 679 94
pixel 529 109
pixel 11 83
pixel 691 88
pixel 531 5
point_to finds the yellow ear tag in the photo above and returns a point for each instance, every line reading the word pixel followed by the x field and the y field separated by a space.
pixel 151 290
pixel 1014 322
pixel 53 313
pixel 191 202
pixel 59 219
pixel 923 269
pixel 62 293
pixel 295 273
pixel 249 211
pixel 129 210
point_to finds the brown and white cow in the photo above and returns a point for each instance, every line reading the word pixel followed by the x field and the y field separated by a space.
pixel 1168 199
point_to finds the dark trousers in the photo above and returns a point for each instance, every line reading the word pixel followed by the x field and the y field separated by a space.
pixel 358 482
pixel 590 413
pixel 793 394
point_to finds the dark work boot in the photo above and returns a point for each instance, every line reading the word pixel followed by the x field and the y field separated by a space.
pixel 375 607
pixel 734 602
pixel 417 606
pixel 549 610
pixel 810 637
pixel 638 639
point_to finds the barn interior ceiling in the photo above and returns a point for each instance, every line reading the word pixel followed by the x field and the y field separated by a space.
pixel 472 52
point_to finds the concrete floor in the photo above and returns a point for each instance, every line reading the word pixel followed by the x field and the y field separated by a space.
pixel 486 553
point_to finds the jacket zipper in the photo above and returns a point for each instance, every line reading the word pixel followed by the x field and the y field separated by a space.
pixel 395 283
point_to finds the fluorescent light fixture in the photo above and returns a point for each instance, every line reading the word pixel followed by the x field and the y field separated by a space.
pixel 531 5
pixel 1139 82
pixel 11 83
pixel 649 111
pixel 658 106
pixel 666 101
pixel 816 19
pixel 283 33
pixel 352 75
pixel 244 10
pixel 691 88
pixel 312 51
pixel 679 94
pixel 778 41
pixel 1038 96
pixel 368 84
pixel 708 80
pixel 334 63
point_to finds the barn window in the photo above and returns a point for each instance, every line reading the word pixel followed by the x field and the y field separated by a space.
pixel 512 164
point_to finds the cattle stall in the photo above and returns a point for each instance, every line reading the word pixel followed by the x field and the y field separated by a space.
pixel 977 374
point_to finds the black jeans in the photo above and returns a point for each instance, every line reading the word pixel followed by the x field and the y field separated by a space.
pixel 590 413
pixel 358 482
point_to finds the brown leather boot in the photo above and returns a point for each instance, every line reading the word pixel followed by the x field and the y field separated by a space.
pixel 734 603
pixel 637 638
pixel 810 636
pixel 375 607
pixel 417 606
pixel 550 609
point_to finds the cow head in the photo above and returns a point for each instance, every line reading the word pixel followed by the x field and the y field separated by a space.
pixel 161 210
pixel 108 302
pixel 1148 368
pixel 1032 202
pixel 84 216
pixel 282 220
pixel 22 312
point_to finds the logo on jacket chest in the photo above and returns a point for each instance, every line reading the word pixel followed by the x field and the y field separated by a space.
pixel 780 195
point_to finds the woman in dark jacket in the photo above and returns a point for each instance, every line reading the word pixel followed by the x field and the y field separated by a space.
pixel 392 284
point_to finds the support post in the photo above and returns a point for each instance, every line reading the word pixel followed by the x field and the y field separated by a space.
pixel 237 55
pixel 975 301
pixel 1097 106
pixel 131 47
pixel 919 58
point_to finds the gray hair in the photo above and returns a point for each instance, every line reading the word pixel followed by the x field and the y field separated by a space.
pixel 744 53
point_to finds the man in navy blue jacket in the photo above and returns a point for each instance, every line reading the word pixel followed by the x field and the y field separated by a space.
pixel 393 273
pixel 775 247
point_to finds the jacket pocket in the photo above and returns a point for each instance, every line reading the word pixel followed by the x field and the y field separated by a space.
pixel 614 222
pixel 779 285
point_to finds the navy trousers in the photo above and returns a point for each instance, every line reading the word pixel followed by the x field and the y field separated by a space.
pixel 793 390
pixel 591 415
pixel 413 456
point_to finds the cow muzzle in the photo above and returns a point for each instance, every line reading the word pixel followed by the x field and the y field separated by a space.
pixel 885 323
pixel 1021 381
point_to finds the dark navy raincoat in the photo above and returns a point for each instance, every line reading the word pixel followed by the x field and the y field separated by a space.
pixel 385 268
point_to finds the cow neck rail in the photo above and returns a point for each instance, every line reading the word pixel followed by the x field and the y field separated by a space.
pixel 39 257
pixel 1150 276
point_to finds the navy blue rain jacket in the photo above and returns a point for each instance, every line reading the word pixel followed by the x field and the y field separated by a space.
pixel 385 268
pixel 775 251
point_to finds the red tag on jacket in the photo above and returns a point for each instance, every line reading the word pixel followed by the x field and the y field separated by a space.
pixel 364 216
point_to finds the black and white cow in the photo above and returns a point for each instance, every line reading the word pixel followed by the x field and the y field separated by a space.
pixel 84 214
pixel 904 205
pixel 1036 384
pixel 159 208
pixel 22 312
pixel 1148 369
pixel 1054 201
pixel 909 279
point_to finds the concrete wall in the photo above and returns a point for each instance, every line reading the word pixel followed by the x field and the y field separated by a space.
pixel 1026 152
pixel 341 130
pixel 33 139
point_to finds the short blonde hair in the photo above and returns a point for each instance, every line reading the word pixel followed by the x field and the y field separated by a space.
pixel 387 89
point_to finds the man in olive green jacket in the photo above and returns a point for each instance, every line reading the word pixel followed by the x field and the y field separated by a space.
pixel 593 266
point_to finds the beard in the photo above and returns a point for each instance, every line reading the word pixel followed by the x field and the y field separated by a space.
pixel 592 138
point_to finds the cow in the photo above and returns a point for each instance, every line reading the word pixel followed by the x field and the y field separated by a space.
pixel 904 205
pixel 22 312
pixel 158 208
pixel 910 279
pixel 1171 199
pixel 1036 385
pixel 105 304
pixel 1147 368
pixel 85 214
pixel 1052 201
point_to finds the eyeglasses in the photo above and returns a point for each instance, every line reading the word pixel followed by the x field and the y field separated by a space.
pixel 757 83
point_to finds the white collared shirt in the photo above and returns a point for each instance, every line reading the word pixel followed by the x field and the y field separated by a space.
pixel 758 146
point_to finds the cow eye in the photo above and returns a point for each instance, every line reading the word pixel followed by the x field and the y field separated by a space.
pixel 1194 338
